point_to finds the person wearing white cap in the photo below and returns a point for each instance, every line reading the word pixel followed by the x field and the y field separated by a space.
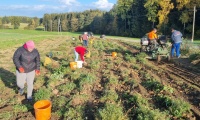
pixel 85 39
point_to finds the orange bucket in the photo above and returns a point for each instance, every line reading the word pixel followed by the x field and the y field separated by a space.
pixel 114 54
pixel 73 65
pixel 42 110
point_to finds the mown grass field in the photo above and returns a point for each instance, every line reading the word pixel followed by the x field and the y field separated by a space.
pixel 122 88
pixel 12 37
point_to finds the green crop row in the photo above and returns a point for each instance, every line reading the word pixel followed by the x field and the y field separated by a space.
pixel 175 107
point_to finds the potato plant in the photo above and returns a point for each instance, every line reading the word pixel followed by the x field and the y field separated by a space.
pixel 6 115
pixel 111 112
pixel 21 108
pixel 66 88
pixel 141 58
pixel 179 107
pixel 175 107
pixel 109 96
pixel 59 104
pixel 128 57
pixel 95 64
pixel 74 113
pixel 84 79
pixel 42 94
pixel 140 109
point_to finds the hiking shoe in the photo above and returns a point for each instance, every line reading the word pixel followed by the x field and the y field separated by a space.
pixel 179 56
pixel 30 100
pixel 21 91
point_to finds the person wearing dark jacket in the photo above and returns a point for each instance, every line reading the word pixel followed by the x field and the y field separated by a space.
pixel 79 50
pixel 176 42
pixel 27 62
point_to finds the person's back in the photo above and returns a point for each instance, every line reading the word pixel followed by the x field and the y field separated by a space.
pixel 152 35
pixel 176 36
pixel 85 37
pixel 176 42
pixel 80 49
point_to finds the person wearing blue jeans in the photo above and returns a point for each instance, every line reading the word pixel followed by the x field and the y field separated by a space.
pixel 176 48
pixel 176 42
pixel 85 39
pixel 85 43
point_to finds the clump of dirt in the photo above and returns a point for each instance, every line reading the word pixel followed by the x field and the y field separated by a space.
pixel 77 101
pixel 134 75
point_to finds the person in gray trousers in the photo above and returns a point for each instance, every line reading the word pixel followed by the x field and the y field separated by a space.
pixel 27 61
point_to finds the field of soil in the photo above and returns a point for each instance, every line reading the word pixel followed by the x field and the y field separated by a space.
pixel 128 86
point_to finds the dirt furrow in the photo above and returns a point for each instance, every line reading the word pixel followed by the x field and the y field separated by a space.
pixel 189 79
pixel 184 75
pixel 187 73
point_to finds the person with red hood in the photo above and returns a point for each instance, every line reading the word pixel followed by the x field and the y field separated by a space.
pixel 79 50
pixel 27 62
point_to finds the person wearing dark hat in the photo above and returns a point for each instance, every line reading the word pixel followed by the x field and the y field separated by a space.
pixel 176 42
pixel 79 50
pixel 27 62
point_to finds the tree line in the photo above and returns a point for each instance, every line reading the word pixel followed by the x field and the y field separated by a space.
pixel 132 18
pixel 16 20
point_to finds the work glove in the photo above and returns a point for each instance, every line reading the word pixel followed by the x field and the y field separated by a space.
pixel 37 72
pixel 21 69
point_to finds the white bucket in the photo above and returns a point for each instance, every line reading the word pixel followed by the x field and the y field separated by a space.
pixel 79 64
pixel 145 42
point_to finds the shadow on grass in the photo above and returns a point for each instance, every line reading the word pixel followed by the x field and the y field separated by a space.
pixel 8 79
pixel 29 106
pixel 89 111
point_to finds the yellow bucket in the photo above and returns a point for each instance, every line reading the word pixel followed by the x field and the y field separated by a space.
pixel 88 54
pixel 73 65
pixel 47 61
pixel 114 54
pixel 42 110
pixel 91 41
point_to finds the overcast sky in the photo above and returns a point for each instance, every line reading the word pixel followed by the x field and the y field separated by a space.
pixel 37 8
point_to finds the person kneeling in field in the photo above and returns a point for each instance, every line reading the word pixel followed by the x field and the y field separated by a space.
pixel 27 62
pixel 79 50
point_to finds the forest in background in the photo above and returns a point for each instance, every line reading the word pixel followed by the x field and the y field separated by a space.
pixel 131 18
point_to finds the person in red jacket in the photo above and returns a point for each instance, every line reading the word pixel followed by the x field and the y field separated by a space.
pixel 79 50
pixel 27 62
